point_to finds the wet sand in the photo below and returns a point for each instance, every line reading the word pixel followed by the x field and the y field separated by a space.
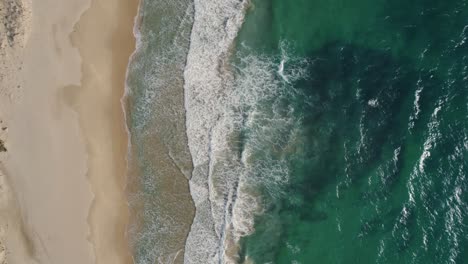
pixel 105 47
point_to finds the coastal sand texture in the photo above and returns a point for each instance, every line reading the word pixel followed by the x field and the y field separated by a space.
pixel 15 16
pixel 47 156
pixel 104 38
pixel 63 149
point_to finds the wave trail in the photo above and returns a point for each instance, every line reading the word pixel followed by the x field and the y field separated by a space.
pixel 238 126
pixel 207 80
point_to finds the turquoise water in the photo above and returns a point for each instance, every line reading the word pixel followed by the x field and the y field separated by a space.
pixel 306 131
pixel 377 156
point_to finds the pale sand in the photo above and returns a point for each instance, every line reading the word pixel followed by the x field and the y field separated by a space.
pixel 47 165
pixel 66 138
pixel 14 30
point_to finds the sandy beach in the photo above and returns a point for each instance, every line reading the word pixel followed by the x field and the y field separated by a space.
pixel 63 167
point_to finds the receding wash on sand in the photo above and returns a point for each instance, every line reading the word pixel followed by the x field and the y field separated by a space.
pixel 234 131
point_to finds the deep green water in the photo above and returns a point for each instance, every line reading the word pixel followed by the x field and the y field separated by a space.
pixel 378 159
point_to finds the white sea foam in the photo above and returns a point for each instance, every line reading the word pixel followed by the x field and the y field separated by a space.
pixel 207 81
pixel 373 102
pixel 433 136
pixel 416 105
pixel 127 90
pixel 231 173
pixel 414 181
pixel 463 37
pixel 455 216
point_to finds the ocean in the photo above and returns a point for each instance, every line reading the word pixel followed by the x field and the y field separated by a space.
pixel 312 131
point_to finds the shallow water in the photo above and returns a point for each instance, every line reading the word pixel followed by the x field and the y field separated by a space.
pixel 159 160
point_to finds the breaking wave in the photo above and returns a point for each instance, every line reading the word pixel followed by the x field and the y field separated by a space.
pixel 240 129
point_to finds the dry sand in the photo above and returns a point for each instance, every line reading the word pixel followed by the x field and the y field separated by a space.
pixel 65 137
pixel 14 30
